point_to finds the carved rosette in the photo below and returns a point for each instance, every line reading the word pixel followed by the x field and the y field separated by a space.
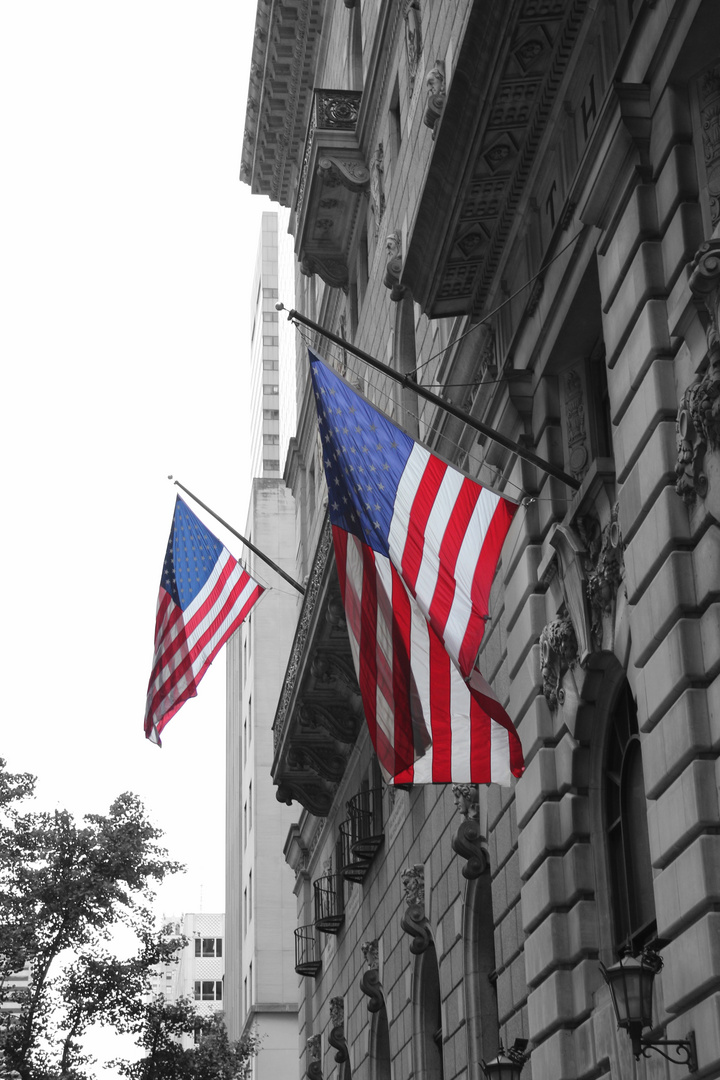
pixel 603 580
pixel 558 653
pixel 415 922
pixel 436 93
pixel 413 38
pixel 370 979
pixel 336 1038
pixel 698 419
pixel 314 1059
pixel 393 267
pixel 468 842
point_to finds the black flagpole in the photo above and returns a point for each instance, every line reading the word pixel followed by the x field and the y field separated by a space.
pixel 410 382
pixel 276 568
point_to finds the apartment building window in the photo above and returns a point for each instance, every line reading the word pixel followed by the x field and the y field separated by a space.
pixel 271 464
pixel 250 897
pixel 271 365
pixel 271 414
pixel 271 440
pixel 208 990
pixel 270 388
pixel 270 340
pixel 208 946
pixel 269 293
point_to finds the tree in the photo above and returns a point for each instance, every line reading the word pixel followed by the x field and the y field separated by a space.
pixel 64 888
pixel 213 1058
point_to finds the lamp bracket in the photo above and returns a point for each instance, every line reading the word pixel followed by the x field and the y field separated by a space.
pixel 684 1050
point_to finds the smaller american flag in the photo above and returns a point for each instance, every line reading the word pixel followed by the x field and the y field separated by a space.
pixel 205 594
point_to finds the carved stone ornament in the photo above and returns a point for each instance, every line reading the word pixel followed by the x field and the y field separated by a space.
pixel 415 921
pixel 698 419
pixel 314 1059
pixel 377 189
pixel 435 102
pixel 604 579
pixel 336 1038
pixel 413 38
pixel 393 267
pixel 468 842
pixel 349 172
pixel 334 272
pixel 709 104
pixel 370 979
pixel 558 652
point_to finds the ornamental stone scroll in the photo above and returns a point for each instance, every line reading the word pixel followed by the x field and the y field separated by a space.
pixel 336 1038
pixel 370 979
pixel 314 1058
pixel 415 922
pixel 469 840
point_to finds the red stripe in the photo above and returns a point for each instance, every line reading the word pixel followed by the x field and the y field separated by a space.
pixel 500 716
pixel 403 682
pixel 480 745
pixel 421 508
pixel 452 540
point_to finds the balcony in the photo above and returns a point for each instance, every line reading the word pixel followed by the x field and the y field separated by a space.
pixel 362 833
pixel 307 953
pixel 329 903
pixel 333 181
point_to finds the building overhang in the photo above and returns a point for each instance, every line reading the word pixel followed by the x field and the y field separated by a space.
pixel 286 41
pixel 333 183
pixel 319 712
pixel 504 88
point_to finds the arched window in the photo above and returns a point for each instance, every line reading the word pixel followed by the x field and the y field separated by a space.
pixel 428 1040
pixel 631 877
pixel 379 1045
pixel 481 1010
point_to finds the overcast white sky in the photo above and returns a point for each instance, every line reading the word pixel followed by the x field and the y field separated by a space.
pixel 126 255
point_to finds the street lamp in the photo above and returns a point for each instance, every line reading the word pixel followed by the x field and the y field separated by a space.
pixel 508 1063
pixel 631 988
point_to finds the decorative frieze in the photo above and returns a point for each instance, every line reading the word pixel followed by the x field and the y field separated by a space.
pixel 413 38
pixel 370 979
pixel 698 419
pixel 435 101
pixel 558 652
pixel 469 842
pixel 414 921
pixel 336 1038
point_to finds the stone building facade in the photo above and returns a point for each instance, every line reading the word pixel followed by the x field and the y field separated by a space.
pixel 517 202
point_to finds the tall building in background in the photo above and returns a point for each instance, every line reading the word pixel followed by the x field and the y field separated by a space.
pixel 198 973
pixel 260 980
pixel 272 350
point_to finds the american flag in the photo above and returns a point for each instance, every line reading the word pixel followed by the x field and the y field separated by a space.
pixel 204 596
pixel 416 545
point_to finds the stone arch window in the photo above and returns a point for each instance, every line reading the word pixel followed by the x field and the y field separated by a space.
pixel 427 1016
pixel 628 842
pixel 479 971
pixel 379 1045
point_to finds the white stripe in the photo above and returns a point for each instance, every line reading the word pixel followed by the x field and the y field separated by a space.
pixel 406 492
pixel 384 709
pixel 499 755
pixel 437 524
pixel 420 663
pixel 460 703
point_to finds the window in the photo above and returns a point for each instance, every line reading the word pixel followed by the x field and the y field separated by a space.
pixel 271 464
pixel 628 842
pixel 394 125
pixel 208 946
pixel 271 440
pixel 270 388
pixel 270 316
pixel 271 365
pixel 270 294
pixel 208 990
pixel 271 414
pixel 427 1017
pixel 354 54
pixel 250 897
pixel 270 340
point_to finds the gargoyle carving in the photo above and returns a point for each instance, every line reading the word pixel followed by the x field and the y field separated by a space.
pixel 558 652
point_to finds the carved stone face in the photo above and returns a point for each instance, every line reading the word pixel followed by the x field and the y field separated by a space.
pixel 435 81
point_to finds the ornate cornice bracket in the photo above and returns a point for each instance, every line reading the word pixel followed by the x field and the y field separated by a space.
pixel 469 841
pixel 336 1038
pixel 314 1058
pixel 436 94
pixel 370 980
pixel 393 267
pixel 558 653
pixel 415 922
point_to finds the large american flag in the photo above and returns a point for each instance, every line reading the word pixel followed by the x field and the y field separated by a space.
pixel 204 596
pixel 416 545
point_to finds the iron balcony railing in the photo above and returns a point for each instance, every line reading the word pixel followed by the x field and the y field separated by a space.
pixel 362 833
pixel 329 903
pixel 307 952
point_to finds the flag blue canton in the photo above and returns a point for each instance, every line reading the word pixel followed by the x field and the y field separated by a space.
pixel 191 555
pixel 364 455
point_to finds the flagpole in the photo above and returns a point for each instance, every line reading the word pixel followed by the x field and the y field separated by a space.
pixel 409 382
pixel 246 542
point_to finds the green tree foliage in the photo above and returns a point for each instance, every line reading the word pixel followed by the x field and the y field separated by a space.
pixel 65 887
